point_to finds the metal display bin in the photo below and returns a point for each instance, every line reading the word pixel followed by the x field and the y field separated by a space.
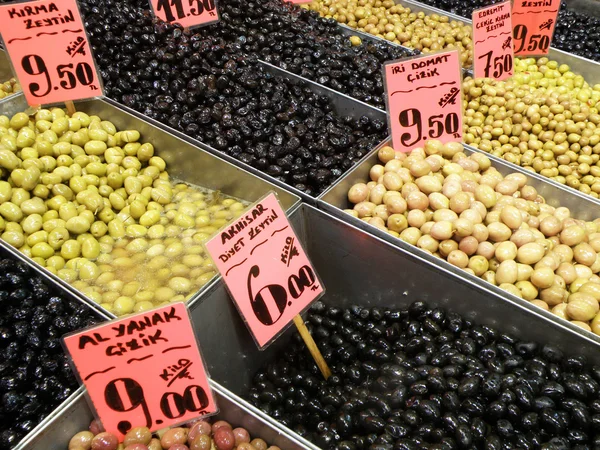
pixel 357 268
pixel 185 162
pixel 8 251
pixel 589 7
pixel 588 68
pixel 75 416
pixel 582 206
pixel 6 72
pixel 342 105
pixel 5 69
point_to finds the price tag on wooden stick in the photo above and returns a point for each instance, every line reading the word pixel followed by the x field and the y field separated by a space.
pixel 267 272
pixel 49 51
pixel 493 42
pixel 424 99
pixel 187 13
pixel 533 25
pixel 143 370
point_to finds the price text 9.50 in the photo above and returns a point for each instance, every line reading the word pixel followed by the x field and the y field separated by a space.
pixel 536 42
pixel 434 127
pixel 69 75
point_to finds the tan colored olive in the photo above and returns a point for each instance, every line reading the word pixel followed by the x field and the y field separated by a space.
pixel 458 258
pixel 507 272
pixel 498 232
pixel 584 254
pixel 442 230
pixel 506 251
pixel 539 303
pixel 572 235
pixel 511 217
pixel 530 253
pixel 582 310
pixel 592 289
pixel 560 310
pixel 542 277
pixel 358 193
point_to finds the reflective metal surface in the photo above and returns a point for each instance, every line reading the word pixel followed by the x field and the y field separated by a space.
pixel 357 268
pixel 589 7
pixel 5 69
pixel 185 162
pixel 8 251
pixel 75 415
pixel 581 206
pixel 586 67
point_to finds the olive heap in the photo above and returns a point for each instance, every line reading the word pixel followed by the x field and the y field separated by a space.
pixel 545 118
pixel 400 25
pixel 422 378
pixel 9 87
pixel 275 31
pixel 461 209
pixel 197 435
pixel 301 42
pixel 96 207
pixel 35 376
pixel 575 32
pixel 206 89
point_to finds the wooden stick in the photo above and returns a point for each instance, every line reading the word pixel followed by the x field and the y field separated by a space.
pixel 70 107
pixel 312 346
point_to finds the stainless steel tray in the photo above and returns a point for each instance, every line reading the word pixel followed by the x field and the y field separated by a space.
pixel 99 312
pixel 75 415
pixel 581 205
pixel 588 68
pixel 357 268
pixel 335 200
pixel 589 7
pixel 343 105
pixel 184 162
pixel 5 70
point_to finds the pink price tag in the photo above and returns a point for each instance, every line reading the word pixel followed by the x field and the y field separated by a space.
pixel 424 99
pixel 266 269
pixel 493 42
pixel 143 370
pixel 187 13
pixel 49 51
pixel 533 25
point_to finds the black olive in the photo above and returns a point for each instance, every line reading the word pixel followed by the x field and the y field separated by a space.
pixel 34 375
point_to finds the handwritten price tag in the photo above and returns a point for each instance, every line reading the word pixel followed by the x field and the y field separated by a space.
pixel 533 23
pixel 492 36
pixel 49 51
pixel 265 268
pixel 187 13
pixel 424 99
pixel 143 370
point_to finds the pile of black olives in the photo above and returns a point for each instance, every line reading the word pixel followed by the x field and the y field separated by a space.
pixel 422 378
pixel 35 376
pixel 300 41
pixel 275 31
pixel 575 32
pixel 212 91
